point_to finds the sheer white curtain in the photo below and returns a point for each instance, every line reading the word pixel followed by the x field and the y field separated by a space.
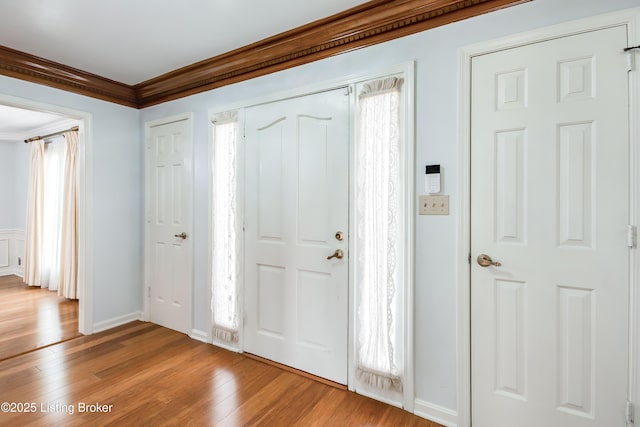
pixel 377 239
pixel 224 304
pixel 68 261
pixel 54 167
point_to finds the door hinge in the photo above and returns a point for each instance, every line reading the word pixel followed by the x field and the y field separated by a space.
pixel 348 90
pixel 469 259
pixel 632 236
pixel 630 412
pixel 148 291
pixel 631 59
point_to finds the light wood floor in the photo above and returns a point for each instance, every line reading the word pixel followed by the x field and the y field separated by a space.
pixel 147 375
pixel 32 317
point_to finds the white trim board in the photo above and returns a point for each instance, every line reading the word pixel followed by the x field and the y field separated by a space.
pixel 85 250
pixel 436 413
pixel 116 321
pixel 198 335
pixel 629 18
pixel 328 85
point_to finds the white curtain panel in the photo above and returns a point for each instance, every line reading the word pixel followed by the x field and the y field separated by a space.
pixel 224 304
pixel 35 214
pixel 54 171
pixel 68 258
pixel 377 238
pixel 44 208
pixel 51 225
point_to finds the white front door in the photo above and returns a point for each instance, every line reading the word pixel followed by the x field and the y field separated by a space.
pixel 296 216
pixel 550 203
pixel 169 223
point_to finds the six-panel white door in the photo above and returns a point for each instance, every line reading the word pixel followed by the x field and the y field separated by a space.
pixel 169 224
pixel 550 191
pixel 296 201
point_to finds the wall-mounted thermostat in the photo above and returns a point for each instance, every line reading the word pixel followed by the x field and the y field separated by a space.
pixel 432 179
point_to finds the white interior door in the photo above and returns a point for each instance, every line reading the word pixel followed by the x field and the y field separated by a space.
pixel 297 156
pixel 550 202
pixel 169 223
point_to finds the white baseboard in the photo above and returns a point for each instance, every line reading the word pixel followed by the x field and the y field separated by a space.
pixel 116 321
pixel 436 413
pixel 372 395
pixel 12 272
pixel 199 336
pixel 226 346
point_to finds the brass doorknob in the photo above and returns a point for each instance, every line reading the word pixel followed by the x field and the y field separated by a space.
pixel 485 261
pixel 337 254
pixel 182 235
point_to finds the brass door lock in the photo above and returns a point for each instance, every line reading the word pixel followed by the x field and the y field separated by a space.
pixel 337 254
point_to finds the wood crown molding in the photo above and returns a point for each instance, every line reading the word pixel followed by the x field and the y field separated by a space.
pixel 374 22
pixel 34 69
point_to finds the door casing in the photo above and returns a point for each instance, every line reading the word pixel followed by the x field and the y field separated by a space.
pixel 85 263
pixel 408 175
pixel 629 18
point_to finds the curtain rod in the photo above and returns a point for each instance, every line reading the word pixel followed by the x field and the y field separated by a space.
pixel 38 138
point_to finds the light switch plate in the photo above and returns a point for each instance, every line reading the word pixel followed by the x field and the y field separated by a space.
pixel 433 205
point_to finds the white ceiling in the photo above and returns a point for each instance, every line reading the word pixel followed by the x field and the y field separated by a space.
pixel 131 41
pixel 18 124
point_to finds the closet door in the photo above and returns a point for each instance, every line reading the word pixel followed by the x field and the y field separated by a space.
pixel 169 223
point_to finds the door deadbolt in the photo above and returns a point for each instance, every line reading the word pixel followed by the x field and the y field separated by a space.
pixel 339 235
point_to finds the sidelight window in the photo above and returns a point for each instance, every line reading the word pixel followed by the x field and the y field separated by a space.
pixel 379 240
pixel 224 303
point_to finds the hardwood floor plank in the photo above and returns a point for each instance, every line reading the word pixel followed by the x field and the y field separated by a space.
pixel 154 376
pixel 306 394
pixel 32 317
pixel 331 403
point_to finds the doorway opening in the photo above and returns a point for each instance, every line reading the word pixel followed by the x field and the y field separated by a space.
pixel 36 316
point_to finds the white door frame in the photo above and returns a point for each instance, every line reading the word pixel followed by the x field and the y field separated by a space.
pixel 85 252
pixel 629 18
pixel 407 70
pixel 147 233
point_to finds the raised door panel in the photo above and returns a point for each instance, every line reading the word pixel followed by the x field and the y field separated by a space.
pixel 550 185
pixel 296 200
pixel 170 206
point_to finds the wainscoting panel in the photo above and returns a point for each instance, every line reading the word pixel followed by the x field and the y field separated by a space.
pixel 11 252
pixel 4 253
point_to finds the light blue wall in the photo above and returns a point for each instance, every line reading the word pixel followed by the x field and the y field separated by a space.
pixel 118 170
pixel 21 182
pixel 14 178
pixel 436 55
pixel 117 196
pixel 8 210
